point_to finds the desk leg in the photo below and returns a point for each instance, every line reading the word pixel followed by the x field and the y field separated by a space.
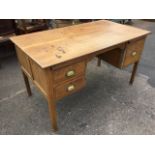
pixel 134 72
pixel 99 62
pixel 53 114
pixel 28 88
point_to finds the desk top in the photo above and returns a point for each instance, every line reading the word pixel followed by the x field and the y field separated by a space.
pixel 51 47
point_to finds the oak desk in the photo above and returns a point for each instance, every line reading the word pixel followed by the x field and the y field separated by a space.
pixel 56 60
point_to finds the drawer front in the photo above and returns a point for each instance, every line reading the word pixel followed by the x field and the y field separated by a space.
pixel 69 88
pixel 133 52
pixel 69 72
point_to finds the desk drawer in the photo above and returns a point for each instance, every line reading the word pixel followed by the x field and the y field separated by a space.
pixel 69 72
pixel 133 52
pixel 120 57
pixel 69 88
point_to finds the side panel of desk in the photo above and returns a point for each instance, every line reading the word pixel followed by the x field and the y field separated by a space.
pixel 24 62
pixel 38 75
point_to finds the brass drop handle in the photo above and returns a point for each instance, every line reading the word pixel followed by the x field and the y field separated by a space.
pixel 134 54
pixel 71 87
pixel 70 73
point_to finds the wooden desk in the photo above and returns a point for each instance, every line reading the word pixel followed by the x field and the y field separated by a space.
pixel 56 60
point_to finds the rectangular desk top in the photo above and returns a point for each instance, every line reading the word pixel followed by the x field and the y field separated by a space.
pixel 51 47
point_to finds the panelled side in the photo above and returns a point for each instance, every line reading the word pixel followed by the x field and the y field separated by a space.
pixel 24 62
pixel 41 78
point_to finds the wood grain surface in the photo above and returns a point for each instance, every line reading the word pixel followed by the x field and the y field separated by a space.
pixel 51 47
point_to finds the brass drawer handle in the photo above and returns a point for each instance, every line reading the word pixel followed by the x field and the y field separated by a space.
pixel 134 54
pixel 70 73
pixel 71 87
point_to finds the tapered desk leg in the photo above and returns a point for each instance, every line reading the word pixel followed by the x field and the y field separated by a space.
pixel 53 114
pixel 28 88
pixel 99 62
pixel 134 72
